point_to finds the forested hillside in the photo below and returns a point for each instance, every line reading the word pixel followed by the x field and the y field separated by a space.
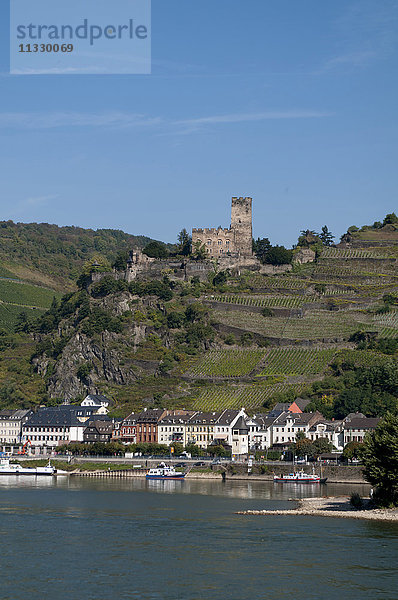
pixel 53 256
pixel 326 330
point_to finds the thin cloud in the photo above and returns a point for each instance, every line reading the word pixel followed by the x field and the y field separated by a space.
pixel 261 116
pixel 355 59
pixel 39 200
pixel 73 119
pixel 122 120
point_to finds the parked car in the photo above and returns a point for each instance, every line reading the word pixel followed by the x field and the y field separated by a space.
pixel 180 464
pixel 199 464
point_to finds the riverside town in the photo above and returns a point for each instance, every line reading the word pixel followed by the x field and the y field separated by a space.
pixel 156 352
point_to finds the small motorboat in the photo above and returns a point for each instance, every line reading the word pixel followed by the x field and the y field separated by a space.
pixel 163 471
pixel 299 477
pixel 8 468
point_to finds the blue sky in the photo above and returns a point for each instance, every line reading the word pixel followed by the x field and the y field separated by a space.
pixel 291 102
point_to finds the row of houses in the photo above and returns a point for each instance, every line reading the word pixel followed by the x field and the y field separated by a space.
pixel 44 430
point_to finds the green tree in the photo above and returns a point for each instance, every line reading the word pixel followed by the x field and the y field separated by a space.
pixel 178 448
pixel 261 248
pixel 278 255
pixel 322 445
pixel 380 459
pixel 120 262
pixel 22 323
pixel 156 250
pixel 199 251
pixel 193 449
pixel 390 219
pixel 352 450
pixel 84 371
pixel 184 242
pixel 326 236
pixel 303 447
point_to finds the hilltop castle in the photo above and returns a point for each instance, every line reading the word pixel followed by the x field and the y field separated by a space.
pixel 237 240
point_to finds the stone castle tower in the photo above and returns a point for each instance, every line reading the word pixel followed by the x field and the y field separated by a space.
pixel 237 240
pixel 241 225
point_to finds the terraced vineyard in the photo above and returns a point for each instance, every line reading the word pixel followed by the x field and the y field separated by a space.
pixel 386 332
pixel 352 253
pixel 362 358
pixel 227 363
pixel 251 397
pixel 9 315
pixel 388 319
pixel 282 282
pixel 296 361
pixel 266 301
pixel 22 293
pixel 317 324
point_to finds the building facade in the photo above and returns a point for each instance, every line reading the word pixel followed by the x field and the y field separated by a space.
pixel 11 422
pixel 53 426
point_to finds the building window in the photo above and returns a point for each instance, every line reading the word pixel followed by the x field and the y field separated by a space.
pixel 209 242
pixel 220 242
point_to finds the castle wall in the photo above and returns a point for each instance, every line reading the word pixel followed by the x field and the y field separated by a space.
pixel 217 242
pixel 235 240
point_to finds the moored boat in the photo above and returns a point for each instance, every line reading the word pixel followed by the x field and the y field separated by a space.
pixel 8 468
pixel 166 472
pixel 299 477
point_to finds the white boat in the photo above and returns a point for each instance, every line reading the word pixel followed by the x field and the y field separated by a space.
pixel 299 477
pixel 7 468
pixel 164 471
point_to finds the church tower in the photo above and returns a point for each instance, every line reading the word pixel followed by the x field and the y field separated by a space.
pixel 241 225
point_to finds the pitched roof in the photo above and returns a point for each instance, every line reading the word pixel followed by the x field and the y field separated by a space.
pixel 241 425
pixel 98 398
pixel 227 416
pixel 302 403
pixel 101 427
pixel 13 414
pixel 54 415
pixel 362 423
pixel 151 415
pixel 205 418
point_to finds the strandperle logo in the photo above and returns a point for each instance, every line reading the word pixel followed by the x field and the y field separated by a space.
pixel 85 31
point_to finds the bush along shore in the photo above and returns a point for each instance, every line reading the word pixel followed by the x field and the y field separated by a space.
pixel 339 506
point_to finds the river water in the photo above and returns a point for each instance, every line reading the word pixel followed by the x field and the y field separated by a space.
pixel 90 539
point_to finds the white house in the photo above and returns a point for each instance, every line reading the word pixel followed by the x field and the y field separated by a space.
pixel 260 432
pixel 240 437
pixel 173 427
pixel 52 426
pixel 11 427
pixel 331 430
pixel 100 402
pixel 356 426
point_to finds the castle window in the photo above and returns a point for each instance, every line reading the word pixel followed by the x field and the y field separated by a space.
pixel 209 242
pixel 227 242
pixel 219 242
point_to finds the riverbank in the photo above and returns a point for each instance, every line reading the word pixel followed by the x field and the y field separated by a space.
pixel 330 507
pixel 118 467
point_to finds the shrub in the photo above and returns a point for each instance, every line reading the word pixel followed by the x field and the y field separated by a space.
pixel 356 501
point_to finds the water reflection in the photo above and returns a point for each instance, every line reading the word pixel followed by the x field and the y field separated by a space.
pixel 244 489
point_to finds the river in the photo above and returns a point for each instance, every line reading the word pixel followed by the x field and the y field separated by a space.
pixel 90 539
